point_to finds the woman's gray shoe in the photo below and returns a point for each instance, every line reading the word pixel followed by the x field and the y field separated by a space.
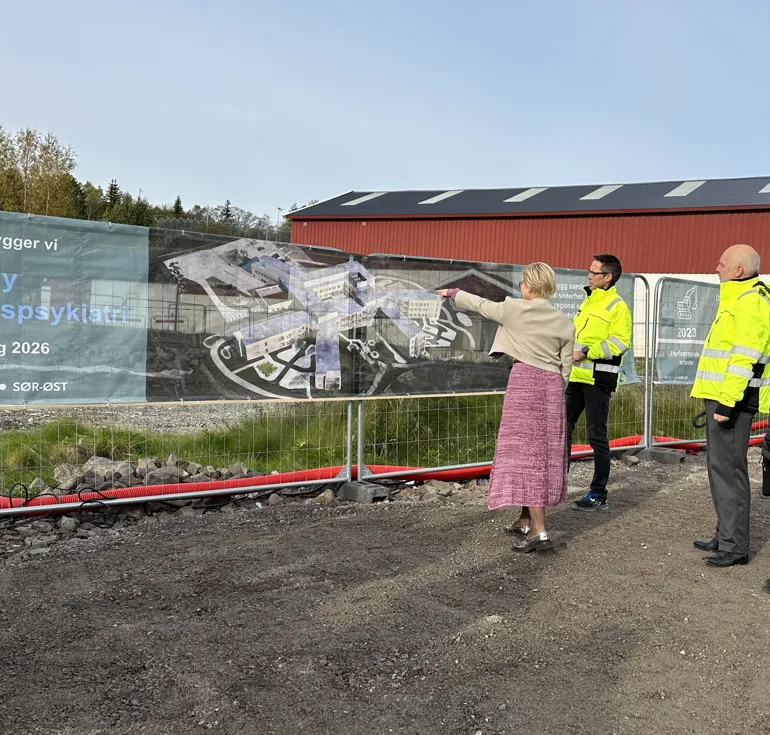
pixel 513 528
pixel 536 543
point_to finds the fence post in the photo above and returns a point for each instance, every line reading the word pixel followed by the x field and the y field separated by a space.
pixel 653 347
pixel 361 468
pixel 645 442
pixel 349 444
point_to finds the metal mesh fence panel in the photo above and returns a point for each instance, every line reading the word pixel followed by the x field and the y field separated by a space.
pixel 264 437
pixel 684 311
pixel 431 432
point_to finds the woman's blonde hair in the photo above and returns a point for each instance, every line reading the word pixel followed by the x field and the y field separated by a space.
pixel 540 279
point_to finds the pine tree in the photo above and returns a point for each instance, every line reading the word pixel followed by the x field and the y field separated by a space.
pixel 226 212
pixel 113 194
pixel 178 209
pixel 81 203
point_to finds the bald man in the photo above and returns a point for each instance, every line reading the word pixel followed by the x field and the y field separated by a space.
pixel 731 371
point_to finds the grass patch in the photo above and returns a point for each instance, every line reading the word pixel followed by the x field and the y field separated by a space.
pixel 674 411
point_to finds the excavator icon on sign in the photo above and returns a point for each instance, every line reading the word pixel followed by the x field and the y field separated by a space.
pixel 688 304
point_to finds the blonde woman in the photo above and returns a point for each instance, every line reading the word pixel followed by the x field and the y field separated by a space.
pixel 530 464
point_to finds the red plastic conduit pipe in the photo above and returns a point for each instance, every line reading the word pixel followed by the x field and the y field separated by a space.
pixel 323 473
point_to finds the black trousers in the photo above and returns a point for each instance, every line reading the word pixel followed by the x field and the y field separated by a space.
pixel 727 445
pixel 595 401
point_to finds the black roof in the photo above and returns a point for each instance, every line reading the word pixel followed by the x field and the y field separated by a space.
pixel 662 195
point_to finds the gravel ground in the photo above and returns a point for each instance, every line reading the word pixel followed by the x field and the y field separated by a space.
pixel 158 419
pixel 404 617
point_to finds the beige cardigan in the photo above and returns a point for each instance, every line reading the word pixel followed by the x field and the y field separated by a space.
pixel 530 331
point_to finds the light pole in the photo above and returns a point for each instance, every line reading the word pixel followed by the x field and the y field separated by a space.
pixel 278 224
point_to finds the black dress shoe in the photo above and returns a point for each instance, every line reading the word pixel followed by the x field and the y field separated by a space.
pixel 703 545
pixel 725 559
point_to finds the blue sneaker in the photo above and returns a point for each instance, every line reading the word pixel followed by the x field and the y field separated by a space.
pixel 591 502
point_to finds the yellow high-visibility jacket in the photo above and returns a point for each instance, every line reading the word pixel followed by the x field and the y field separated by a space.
pixel 733 368
pixel 603 325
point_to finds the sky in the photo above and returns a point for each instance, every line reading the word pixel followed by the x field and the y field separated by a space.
pixel 270 103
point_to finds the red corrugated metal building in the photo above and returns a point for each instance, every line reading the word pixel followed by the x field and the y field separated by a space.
pixel 661 227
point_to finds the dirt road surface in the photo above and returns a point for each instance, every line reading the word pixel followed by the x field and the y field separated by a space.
pixel 396 618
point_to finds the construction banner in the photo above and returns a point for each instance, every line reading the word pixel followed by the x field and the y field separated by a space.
pixel 73 321
pixel 95 313
pixel 687 309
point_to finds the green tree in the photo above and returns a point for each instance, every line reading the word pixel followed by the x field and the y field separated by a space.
pixel 142 213
pixel 81 203
pixel 95 202
pixel 113 195
pixel 11 184
pixel 27 143
pixel 11 187
pixel 130 211
pixel 226 212
pixel 36 174
pixel 178 210
pixel 52 190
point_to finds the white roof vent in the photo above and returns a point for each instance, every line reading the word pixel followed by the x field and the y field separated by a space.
pixel 688 187
pixel 601 192
pixel 441 197
pixel 361 200
pixel 524 195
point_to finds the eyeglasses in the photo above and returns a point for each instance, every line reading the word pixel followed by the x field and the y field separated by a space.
pixel 597 273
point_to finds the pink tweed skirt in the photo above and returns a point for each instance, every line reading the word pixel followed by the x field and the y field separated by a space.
pixel 530 463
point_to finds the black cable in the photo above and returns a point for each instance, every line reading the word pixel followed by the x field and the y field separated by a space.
pixel 16 521
pixel 13 487
pixel 697 424
pixel 95 501
pixel 303 491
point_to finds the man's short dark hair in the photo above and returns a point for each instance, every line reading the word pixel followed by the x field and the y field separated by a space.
pixel 611 265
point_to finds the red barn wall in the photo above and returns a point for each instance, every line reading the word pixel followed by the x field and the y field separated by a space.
pixel 645 243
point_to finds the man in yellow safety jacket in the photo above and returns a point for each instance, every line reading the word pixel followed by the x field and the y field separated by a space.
pixel 732 370
pixel 603 329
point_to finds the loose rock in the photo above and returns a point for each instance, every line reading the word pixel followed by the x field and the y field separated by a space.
pixel 326 498
pixel 165 475
pixel 66 476
pixel 68 523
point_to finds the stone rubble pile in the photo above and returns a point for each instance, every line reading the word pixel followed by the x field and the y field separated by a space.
pixel 100 473
pixel 24 538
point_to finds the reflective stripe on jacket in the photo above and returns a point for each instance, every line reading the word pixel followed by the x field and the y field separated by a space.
pixel 733 368
pixel 603 325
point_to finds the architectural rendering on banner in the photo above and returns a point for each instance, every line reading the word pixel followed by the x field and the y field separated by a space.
pixel 273 298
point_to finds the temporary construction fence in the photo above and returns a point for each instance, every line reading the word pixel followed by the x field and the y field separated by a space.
pixel 284 359
pixel 306 443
